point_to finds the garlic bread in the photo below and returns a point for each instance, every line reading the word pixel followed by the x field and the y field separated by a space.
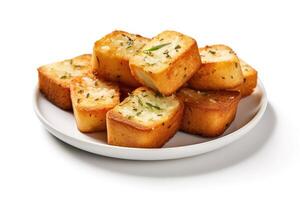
pixel 144 119
pixel 91 99
pixel 111 56
pixel 166 62
pixel 220 69
pixel 208 113
pixel 250 79
pixel 55 78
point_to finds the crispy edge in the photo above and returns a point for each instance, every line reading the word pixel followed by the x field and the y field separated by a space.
pixel 90 119
pixel 196 111
pixel 164 132
pixel 55 92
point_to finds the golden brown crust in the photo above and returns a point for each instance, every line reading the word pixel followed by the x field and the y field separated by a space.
pixel 112 66
pixel 122 132
pixel 91 117
pixel 208 114
pixel 57 93
pixel 216 73
pixel 250 80
pixel 125 127
pixel 55 86
pixel 90 121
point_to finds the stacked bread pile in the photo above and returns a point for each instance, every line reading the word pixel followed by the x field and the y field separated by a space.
pixel 142 91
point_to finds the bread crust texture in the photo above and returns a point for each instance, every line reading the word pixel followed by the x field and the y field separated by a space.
pixel 111 56
pixel 208 113
pixel 130 132
pixel 55 78
pixel 220 69
pixel 91 100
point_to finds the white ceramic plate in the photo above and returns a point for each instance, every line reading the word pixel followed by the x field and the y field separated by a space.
pixel 62 125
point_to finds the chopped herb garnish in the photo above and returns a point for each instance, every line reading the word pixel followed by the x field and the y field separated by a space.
pixel 154 48
pixel 77 66
pixel 63 77
pixel 149 53
pixel 71 62
pixel 80 91
pixel 97 99
pixel 129 117
pixel 140 101
pixel 87 95
pixel 177 47
pixel 212 52
pixel 78 100
pixel 135 109
pixel 166 52
pixel 153 106
pixel 139 113
pixel 96 83
pixel 129 42
pixel 112 96
pixel 159 115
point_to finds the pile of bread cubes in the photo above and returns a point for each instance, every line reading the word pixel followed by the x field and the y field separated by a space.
pixel 141 91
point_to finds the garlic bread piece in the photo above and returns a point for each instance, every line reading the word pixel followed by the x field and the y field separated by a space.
pixel 55 78
pixel 250 79
pixel 208 113
pixel 166 62
pixel 91 99
pixel 144 119
pixel 111 56
pixel 220 69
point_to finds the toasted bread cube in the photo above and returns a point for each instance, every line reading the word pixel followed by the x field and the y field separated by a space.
pixel 111 56
pixel 55 78
pixel 250 79
pixel 91 99
pixel 166 62
pixel 208 113
pixel 220 69
pixel 144 119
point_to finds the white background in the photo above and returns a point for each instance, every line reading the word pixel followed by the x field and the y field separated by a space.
pixel 35 165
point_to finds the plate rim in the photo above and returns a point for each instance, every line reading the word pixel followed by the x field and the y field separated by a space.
pixel 237 133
